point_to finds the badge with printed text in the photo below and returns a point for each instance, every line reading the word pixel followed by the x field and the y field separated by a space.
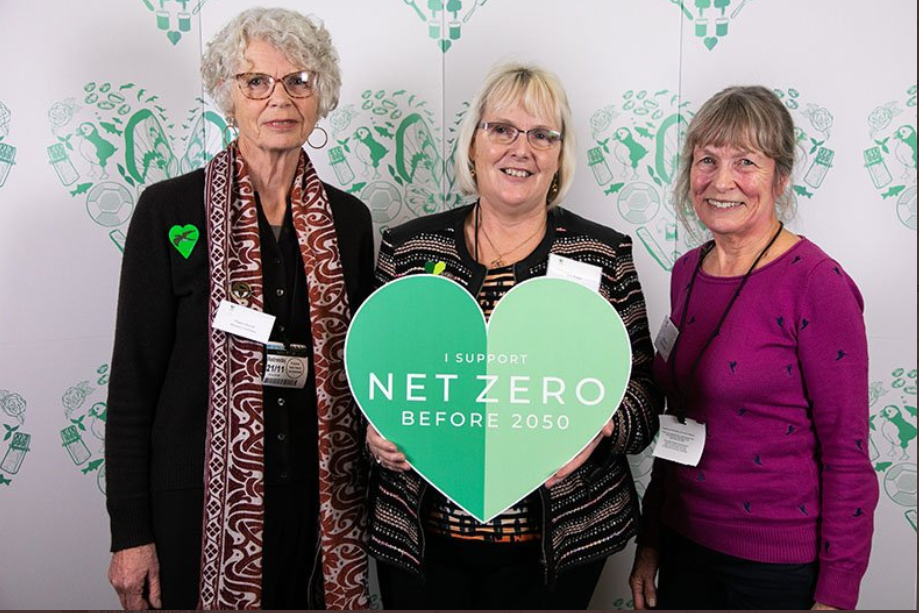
pixel 286 366
pixel 666 338
pixel 585 274
pixel 243 321
pixel 680 443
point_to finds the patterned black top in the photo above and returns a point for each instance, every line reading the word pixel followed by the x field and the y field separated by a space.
pixel 594 511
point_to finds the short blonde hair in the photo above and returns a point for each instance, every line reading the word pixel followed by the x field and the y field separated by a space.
pixel 304 41
pixel 751 117
pixel 541 93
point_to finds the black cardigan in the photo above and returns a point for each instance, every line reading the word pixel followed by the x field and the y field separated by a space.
pixel 594 511
pixel 158 392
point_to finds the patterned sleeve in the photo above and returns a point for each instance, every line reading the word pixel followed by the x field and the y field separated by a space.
pixel 636 422
pixel 386 262
pixel 833 351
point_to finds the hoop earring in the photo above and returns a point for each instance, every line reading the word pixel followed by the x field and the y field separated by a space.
pixel 324 134
pixel 228 131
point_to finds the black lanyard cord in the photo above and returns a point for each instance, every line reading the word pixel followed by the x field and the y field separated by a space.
pixel 678 391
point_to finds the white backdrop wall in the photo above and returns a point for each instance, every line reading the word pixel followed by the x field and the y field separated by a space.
pixel 102 98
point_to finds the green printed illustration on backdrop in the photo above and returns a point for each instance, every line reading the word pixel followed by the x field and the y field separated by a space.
pixel 892 446
pixel 83 438
pixel 14 441
pixel 890 157
pixel 444 20
pixel 7 151
pixel 487 412
pixel 634 159
pixel 710 19
pixel 813 155
pixel 387 151
pixel 115 140
pixel 174 17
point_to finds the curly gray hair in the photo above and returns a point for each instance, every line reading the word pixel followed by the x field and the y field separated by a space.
pixel 304 41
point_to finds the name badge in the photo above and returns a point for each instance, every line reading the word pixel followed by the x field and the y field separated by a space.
pixel 243 322
pixel 586 274
pixel 680 443
pixel 666 338
pixel 286 366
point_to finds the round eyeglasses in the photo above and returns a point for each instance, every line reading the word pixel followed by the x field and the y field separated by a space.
pixel 505 134
pixel 258 85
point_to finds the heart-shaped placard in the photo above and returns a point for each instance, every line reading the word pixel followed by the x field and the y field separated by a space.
pixel 487 413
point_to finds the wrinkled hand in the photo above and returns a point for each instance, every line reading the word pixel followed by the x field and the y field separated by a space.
pixel 131 571
pixel 644 570
pixel 819 606
pixel 579 459
pixel 386 453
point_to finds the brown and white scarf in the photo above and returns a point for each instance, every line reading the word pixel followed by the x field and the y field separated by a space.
pixel 231 556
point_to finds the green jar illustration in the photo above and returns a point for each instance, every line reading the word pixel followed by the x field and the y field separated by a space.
pixel 7 160
pixel 877 168
pixel 16 453
pixel 340 165
pixel 597 163
pixel 819 167
pixel 74 445
pixel 60 161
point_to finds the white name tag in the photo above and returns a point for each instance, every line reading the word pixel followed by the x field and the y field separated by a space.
pixel 666 338
pixel 586 274
pixel 286 366
pixel 243 321
pixel 680 443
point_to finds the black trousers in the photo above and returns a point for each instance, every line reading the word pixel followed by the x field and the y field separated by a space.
pixel 289 548
pixel 695 577
pixel 463 574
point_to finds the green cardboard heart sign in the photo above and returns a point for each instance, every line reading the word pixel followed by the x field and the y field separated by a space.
pixel 487 413
pixel 184 238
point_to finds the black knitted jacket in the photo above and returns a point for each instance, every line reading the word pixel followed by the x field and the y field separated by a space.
pixel 594 512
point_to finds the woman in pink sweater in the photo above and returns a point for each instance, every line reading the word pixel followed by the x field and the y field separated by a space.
pixel 768 351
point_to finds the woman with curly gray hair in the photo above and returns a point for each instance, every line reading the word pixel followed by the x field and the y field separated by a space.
pixel 233 456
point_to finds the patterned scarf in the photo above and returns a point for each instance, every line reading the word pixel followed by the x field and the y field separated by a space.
pixel 231 556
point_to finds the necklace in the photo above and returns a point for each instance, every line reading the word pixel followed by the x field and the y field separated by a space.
pixel 498 261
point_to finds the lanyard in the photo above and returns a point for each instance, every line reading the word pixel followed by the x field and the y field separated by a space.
pixel 706 249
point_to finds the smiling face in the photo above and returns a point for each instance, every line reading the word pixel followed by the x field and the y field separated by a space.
pixel 278 124
pixel 734 191
pixel 514 177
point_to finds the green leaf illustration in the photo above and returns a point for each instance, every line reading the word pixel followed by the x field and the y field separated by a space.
pixel 802 191
pixel 882 466
pixel 893 191
pixel 4 480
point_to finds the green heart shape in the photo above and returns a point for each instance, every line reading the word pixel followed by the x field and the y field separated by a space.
pixel 419 356
pixel 174 36
pixel 710 42
pixel 184 238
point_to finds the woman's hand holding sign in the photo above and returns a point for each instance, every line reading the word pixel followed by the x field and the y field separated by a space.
pixel 576 462
pixel 386 453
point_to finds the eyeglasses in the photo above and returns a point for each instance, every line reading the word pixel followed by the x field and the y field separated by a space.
pixel 258 85
pixel 505 134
